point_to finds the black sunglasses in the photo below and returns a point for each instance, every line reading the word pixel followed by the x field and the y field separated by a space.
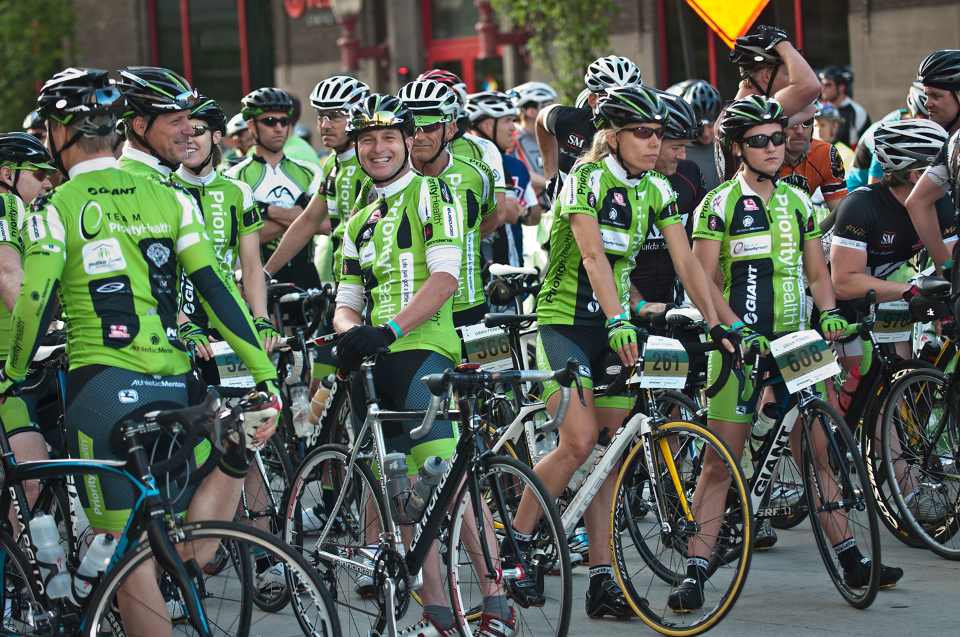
pixel 273 121
pixel 644 132
pixel 199 129
pixel 807 124
pixel 761 141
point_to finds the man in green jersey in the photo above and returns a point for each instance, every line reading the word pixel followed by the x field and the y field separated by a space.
pixel 112 244
pixel 24 164
pixel 158 103
pixel 282 186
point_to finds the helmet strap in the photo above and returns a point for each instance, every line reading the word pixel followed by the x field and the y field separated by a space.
pixel 143 142
pixel 773 76
pixel 16 178
pixel 443 145
pixel 55 152
pixel 760 175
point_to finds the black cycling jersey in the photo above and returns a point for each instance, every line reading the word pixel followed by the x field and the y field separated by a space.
pixel 574 129
pixel 654 274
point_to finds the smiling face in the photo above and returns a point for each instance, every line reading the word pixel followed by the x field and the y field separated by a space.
pixel 382 152
pixel 200 147
pixel 942 105
pixel 168 135
pixel 427 140
pixel 637 154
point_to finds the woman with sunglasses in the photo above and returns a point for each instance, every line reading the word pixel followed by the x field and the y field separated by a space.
pixel 604 211
pixel 232 220
pixel 762 234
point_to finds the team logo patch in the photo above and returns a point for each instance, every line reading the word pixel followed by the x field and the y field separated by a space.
pixel 618 199
pixel 4 230
pixel 159 254
pixel 110 288
pixel 591 200
pixel 836 163
pixel 427 231
pixel 713 222
pixel 751 206
pixel 103 256
pixel 887 238
pixel 577 142
pixel 119 331
pixel 128 396
pixel 585 371
pixel 740 410
pixel 748 221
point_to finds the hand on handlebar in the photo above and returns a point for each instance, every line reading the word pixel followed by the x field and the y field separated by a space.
pixel 750 337
pixel 361 341
pixel 725 336
pixel 268 334
pixel 260 409
pixel 192 333
pixel 832 324
pixel 623 339
pixel 7 385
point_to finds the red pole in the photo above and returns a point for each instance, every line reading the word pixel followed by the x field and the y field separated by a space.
pixel 154 34
pixel 244 51
pixel 662 35
pixel 712 55
pixel 798 21
pixel 185 40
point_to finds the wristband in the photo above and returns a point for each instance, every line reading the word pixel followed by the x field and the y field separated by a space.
pixel 618 317
pixel 737 325
pixel 947 265
pixel 396 328
pixel 636 310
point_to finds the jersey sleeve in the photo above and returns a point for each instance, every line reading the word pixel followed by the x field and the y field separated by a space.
pixel 850 228
pixel 668 213
pixel 939 171
pixel 811 229
pixel 11 221
pixel 948 221
pixel 350 272
pixel 488 197
pixel 550 116
pixel 443 221
pixel 876 170
pixel 218 293
pixel 250 220
pixel 492 158
pixel 710 219
pixel 835 185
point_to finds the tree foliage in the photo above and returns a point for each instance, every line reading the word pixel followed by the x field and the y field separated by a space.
pixel 565 36
pixel 32 37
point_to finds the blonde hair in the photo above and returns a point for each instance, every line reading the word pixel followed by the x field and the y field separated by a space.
pixel 600 149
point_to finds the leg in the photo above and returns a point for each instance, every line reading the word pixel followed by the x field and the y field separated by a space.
pixel 27 445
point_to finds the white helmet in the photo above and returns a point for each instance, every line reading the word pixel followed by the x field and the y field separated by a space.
pixel 489 104
pixel 583 99
pixel 611 72
pixel 908 143
pixel 532 94
pixel 236 125
pixel 917 100
pixel 339 92
pixel 429 99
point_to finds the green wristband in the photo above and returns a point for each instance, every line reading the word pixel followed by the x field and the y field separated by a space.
pixel 736 325
pixel 947 264
pixel 396 328
pixel 636 310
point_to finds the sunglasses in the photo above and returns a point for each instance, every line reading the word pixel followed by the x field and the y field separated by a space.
pixel 644 132
pixel 332 116
pixel 199 129
pixel 273 121
pixel 430 128
pixel 807 124
pixel 761 141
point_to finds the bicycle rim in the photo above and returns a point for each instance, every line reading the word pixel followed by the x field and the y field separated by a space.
pixel 836 480
pixel 651 562
pixel 788 491
pixel 19 589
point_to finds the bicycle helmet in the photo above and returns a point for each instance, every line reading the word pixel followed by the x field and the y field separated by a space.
pixel 209 111
pixel 23 151
pixel 430 102
pixel 908 143
pixel 452 81
pixel 339 92
pixel 632 104
pixel 611 72
pixel 747 112
pixel 941 70
pixel 492 104
pixel 917 100
pixel 265 100
pixel 704 98
pixel 236 125
pixel 826 110
pixel 377 112
pixel 750 52
pixel 682 121
pixel 532 94
pixel 150 90
pixel 33 120
pixel 837 73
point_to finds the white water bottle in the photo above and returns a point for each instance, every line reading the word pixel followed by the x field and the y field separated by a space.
pixel 766 419
pixel 94 563
pixel 50 555
pixel 299 407
pixel 580 475
pixel 543 441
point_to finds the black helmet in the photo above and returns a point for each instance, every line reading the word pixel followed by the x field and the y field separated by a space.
pixel 750 52
pixel 682 121
pixel 33 120
pixel 209 111
pixel 704 98
pixel 838 73
pixel 75 94
pixel 150 90
pixel 747 112
pixel 632 104
pixel 23 148
pixel 264 100
pixel 941 70
pixel 378 111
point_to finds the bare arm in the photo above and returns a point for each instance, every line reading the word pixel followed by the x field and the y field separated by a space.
pixel 549 150
pixel 270 231
pixel 299 233
pixel 707 252
pixel 818 278
pixel 804 85
pixel 501 208
pixel 850 281
pixel 921 204
pixel 254 287
pixel 533 217
pixel 11 276
pixel 691 272
pixel 538 181
pixel 832 204
pixel 512 210
pixel 428 300
pixel 489 224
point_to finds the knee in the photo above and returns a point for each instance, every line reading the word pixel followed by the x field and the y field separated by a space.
pixel 577 448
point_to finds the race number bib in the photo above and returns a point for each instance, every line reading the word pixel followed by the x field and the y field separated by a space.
pixel 233 373
pixel 804 359
pixel 489 346
pixel 665 364
pixel 893 323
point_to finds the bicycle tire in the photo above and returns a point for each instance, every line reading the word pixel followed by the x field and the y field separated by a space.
pixel 928 392
pixel 663 559
pixel 358 615
pixel 787 491
pixel 688 408
pixel 20 588
pixel 548 548
pixel 856 499
pixel 335 424
pixel 229 618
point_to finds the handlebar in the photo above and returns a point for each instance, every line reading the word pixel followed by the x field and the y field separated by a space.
pixel 751 370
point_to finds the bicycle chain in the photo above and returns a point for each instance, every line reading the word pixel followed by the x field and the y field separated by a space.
pixel 390 563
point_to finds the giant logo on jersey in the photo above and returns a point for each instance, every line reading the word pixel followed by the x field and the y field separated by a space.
pixel 751 291
pixel 90 217
pixel 799 181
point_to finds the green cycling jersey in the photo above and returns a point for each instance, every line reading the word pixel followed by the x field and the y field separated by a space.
pixel 625 209
pixel 341 189
pixel 111 244
pixel 761 252
pixel 11 221
pixel 468 145
pixel 392 246
pixel 137 162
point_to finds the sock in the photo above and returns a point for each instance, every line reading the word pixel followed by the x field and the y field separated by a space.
pixel 697 569
pixel 599 575
pixel 235 463
pixel 495 605
pixel 329 498
pixel 522 537
pixel 848 554
pixel 442 616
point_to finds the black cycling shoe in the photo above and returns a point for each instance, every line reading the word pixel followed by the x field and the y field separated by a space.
pixel 525 592
pixel 687 598
pixel 608 599
pixel 860 576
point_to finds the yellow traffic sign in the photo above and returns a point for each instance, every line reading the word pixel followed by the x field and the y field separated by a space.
pixel 729 20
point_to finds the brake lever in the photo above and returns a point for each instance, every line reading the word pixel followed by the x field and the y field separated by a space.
pixel 576 379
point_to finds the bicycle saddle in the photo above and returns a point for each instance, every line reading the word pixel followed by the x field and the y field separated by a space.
pixel 498 269
pixel 932 286
pixel 504 320
pixel 684 316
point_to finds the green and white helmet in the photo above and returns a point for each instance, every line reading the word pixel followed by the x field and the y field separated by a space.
pixel 747 112
pixel 430 102
pixel 378 111
pixel 339 92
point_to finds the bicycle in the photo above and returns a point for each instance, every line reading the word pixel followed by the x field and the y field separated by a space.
pixel 471 478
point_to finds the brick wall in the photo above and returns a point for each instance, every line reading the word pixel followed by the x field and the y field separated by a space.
pixel 111 34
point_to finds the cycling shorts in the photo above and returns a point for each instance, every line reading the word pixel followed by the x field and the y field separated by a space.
pixel 324 362
pixel 99 399
pixel 728 405
pixel 589 346
pixel 399 389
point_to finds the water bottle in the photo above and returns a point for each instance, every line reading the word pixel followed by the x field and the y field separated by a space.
pixel 299 407
pixel 580 475
pixel 94 563
pixel 319 401
pixel 543 441
pixel 50 555
pixel 766 419
pixel 430 474
pixel 398 486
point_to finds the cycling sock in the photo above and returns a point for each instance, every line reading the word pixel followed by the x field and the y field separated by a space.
pixel 599 575
pixel 329 498
pixel 522 537
pixel 496 605
pixel 235 462
pixel 442 616
pixel 848 554
pixel 697 569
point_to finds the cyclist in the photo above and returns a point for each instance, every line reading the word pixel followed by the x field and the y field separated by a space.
pixel 837 82
pixel 874 236
pixel 811 165
pixel 239 133
pixel 530 98
pixel 401 262
pixel 654 275
pixel 34 125
pixel 455 84
pixel 586 302
pixel 939 73
pixel 763 295
pixel 103 242
pixel 297 147
pixel 232 220
pixel 826 124
pixel 24 165
pixel 155 124
pixel 281 185
pixel 706 101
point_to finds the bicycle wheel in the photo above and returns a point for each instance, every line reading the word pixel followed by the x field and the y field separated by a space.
pixel 836 485
pixel 336 424
pixel 722 516
pixel 921 441
pixel 358 523
pixel 676 406
pixel 548 550
pixel 225 599
pixel 19 590
pixel 787 491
